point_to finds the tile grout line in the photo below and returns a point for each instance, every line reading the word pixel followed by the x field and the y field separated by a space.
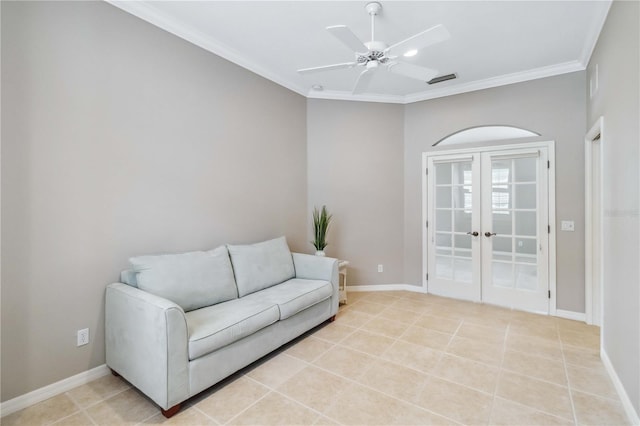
pixel 333 345
pixel 500 368
pixel 441 354
pixel 378 357
pixel 538 378
pixel 352 381
pixel 147 418
pixel 250 405
pixel 106 398
pixel 78 410
pixel 86 409
pixel 275 390
pixel 566 373
pixel 195 407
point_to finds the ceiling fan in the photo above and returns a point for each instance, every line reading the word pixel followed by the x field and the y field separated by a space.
pixel 374 54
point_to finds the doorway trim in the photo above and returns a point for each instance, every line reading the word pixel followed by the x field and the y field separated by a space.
pixel 550 145
pixel 593 288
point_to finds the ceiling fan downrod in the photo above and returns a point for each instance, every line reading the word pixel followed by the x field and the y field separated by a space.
pixel 372 9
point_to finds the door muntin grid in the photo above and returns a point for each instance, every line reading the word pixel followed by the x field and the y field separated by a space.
pixel 453 205
pixel 514 217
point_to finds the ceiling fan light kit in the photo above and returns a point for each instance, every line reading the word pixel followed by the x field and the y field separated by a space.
pixel 375 54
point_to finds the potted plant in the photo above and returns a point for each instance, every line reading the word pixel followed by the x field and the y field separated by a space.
pixel 321 221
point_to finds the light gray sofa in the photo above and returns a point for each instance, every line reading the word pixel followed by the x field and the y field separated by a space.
pixel 178 324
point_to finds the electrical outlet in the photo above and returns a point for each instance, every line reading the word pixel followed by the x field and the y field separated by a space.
pixel 380 268
pixel 567 225
pixel 83 337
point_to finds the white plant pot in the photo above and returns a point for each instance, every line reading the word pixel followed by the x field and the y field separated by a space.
pixel 320 253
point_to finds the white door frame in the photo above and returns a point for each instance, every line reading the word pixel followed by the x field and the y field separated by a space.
pixel 550 145
pixel 593 288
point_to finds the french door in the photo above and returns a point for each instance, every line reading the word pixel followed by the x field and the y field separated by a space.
pixel 487 227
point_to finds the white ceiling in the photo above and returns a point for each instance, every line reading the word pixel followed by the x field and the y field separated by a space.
pixel 492 42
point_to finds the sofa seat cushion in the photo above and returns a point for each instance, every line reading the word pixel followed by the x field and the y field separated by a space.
pixel 294 295
pixel 219 325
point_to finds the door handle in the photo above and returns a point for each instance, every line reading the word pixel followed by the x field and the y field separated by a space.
pixel 488 234
pixel 474 233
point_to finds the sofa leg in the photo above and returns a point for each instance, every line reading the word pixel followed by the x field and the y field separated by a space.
pixel 171 411
pixel 332 319
pixel 114 372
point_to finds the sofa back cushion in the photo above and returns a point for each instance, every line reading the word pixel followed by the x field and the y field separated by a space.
pixel 261 265
pixel 192 280
pixel 128 276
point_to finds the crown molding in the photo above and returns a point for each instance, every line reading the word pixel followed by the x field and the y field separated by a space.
pixel 593 34
pixel 348 96
pixel 503 80
pixel 488 83
pixel 147 12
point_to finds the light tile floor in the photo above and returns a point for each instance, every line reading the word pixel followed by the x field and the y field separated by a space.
pixel 389 358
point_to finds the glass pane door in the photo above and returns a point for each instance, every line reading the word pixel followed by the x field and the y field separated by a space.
pixel 453 212
pixel 515 237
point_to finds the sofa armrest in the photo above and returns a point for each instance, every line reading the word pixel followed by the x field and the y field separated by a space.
pixel 312 267
pixel 147 343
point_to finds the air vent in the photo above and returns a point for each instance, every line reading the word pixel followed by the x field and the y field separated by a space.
pixel 442 78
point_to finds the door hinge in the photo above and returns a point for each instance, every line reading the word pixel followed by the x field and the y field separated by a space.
pixel 548 229
pixel 549 294
pixel 427 224
pixel 426 171
pixel 548 164
pixel 427 277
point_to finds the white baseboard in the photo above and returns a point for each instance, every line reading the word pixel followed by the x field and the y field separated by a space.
pixel 38 395
pixel 386 287
pixel 576 316
pixel 622 393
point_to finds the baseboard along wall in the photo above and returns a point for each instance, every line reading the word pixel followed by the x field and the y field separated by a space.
pixel 633 416
pixel 49 391
pixel 576 316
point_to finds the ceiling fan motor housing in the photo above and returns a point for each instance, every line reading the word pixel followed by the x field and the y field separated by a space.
pixel 372 56
pixel 376 53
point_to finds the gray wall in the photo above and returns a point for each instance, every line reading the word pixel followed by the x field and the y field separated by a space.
pixel 617 100
pixel 553 107
pixel 367 169
pixel 355 168
pixel 120 139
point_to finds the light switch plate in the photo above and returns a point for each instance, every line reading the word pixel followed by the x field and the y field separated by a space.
pixel 567 225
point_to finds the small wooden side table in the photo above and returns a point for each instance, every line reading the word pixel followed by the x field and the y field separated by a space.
pixel 342 281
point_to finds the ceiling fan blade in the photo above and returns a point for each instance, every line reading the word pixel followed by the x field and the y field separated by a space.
pixel 412 71
pixel 362 83
pixel 348 38
pixel 423 39
pixel 327 67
